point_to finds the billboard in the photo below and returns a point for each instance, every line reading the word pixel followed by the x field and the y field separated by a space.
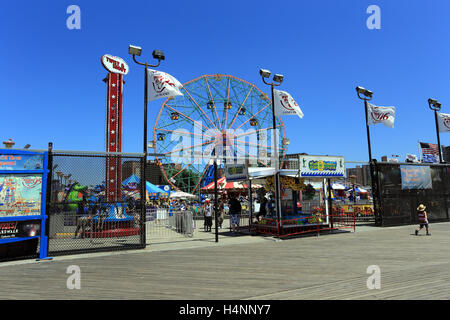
pixel 21 162
pixel 20 229
pixel 416 177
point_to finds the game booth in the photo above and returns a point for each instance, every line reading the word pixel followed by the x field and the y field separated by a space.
pixel 306 198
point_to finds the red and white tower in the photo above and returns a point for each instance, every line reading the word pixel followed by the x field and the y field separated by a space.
pixel 114 93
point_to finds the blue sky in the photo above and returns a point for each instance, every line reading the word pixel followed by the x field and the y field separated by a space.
pixel 52 89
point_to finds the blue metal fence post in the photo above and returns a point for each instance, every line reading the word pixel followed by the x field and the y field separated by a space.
pixel 43 247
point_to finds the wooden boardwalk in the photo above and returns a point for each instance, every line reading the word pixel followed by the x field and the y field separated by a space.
pixel 326 267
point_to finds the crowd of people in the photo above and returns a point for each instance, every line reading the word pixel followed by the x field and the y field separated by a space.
pixel 230 204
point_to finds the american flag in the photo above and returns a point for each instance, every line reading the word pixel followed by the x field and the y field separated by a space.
pixel 430 152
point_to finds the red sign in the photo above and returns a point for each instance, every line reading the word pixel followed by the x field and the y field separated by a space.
pixel 114 64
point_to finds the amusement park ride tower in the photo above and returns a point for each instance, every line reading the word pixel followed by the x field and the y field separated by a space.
pixel 114 92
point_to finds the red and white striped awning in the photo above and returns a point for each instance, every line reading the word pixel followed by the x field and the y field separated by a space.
pixel 222 184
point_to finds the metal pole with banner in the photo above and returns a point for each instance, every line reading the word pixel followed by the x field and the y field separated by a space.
pixel 367 96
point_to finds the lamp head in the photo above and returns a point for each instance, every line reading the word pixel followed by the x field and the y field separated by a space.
pixel 365 92
pixel 434 104
pixel 264 73
pixel 278 78
pixel 158 54
pixel 134 50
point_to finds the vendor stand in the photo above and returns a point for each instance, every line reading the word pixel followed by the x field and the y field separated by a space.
pixel 295 218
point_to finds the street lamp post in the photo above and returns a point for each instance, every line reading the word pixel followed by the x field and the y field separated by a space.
pixel 277 80
pixel 159 55
pixel 436 106
pixel 367 96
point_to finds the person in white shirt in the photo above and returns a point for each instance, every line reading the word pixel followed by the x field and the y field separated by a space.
pixel 208 215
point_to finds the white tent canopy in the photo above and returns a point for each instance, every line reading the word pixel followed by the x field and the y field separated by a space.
pixel 181 194
pixel 257 173
pixel 338 186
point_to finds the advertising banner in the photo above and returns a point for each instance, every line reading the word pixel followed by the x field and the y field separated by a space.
pixel 21 162
pixel 20 195
pixel 23 178
pixel 236 172
pixel 20 229
pixel 416 177
pixel 322 166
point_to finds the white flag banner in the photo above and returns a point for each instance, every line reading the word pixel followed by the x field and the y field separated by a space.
pixel 162 85
pixel 285 104
pixel 411 158
pixel 384 115
pixel 443 122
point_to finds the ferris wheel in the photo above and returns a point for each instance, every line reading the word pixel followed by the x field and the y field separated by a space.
pixel 218 116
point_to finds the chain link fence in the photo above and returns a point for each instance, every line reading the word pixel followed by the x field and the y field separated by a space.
pixel 90 208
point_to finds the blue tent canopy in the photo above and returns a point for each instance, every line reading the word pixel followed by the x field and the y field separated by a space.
pixel 131 179
pixel 360 190
pixel 154 191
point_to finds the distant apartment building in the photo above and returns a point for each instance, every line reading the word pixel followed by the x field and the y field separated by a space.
pixel 153 173
pixel 362 174
pixel 131 167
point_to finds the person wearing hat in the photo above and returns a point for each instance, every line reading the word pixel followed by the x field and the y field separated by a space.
pixel 423 219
